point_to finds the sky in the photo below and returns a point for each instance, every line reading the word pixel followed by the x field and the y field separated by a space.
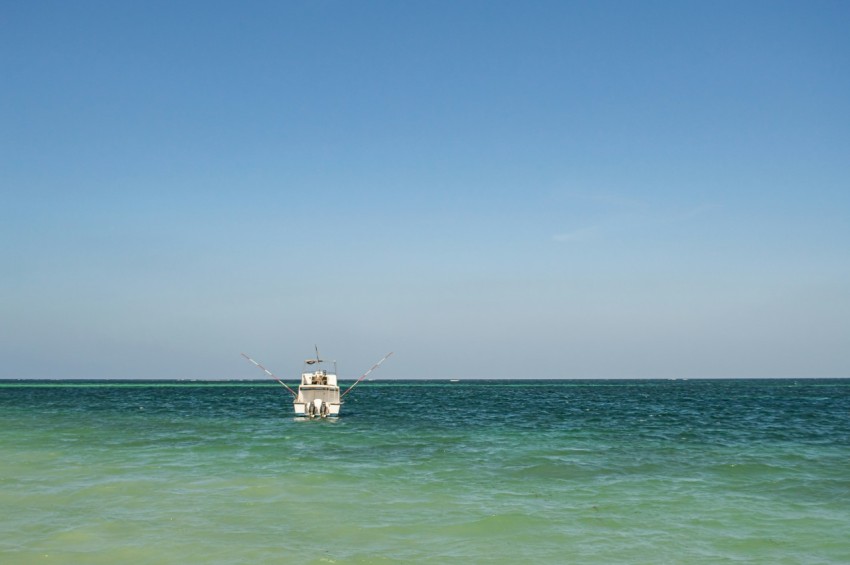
pixel 495 189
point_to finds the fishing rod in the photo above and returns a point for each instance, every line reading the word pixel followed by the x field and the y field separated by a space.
pixel 269 373
pixel 375 366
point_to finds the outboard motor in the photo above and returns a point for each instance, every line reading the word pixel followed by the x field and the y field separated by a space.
pixel 316 407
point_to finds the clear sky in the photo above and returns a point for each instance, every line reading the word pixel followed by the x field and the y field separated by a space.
pixel 489 189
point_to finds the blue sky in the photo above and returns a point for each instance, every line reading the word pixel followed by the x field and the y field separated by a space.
pixel 489 189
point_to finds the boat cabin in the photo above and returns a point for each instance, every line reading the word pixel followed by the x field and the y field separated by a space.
pixel 321 378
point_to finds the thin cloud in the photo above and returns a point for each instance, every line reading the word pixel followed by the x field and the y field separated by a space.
pixel 696 211
pixel 583 234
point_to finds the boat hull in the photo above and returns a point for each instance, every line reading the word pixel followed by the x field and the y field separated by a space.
pixel 301 409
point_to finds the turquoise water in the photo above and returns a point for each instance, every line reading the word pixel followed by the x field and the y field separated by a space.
pixel 602 472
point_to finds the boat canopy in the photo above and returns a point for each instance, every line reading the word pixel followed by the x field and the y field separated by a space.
pixel 318 378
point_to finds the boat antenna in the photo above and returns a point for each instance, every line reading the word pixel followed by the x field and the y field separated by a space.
pixel 269 373
pixel 375 366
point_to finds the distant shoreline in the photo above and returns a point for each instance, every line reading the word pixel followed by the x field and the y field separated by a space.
pixel 396 382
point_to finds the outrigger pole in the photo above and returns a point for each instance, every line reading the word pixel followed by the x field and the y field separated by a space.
pixel 269 373
pixel 375 366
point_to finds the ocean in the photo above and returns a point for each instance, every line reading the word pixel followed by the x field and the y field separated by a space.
pixel 583 472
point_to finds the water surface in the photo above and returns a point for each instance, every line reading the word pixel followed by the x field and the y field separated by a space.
pixel 596 472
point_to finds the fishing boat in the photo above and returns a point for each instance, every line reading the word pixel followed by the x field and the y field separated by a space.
pixel 318 393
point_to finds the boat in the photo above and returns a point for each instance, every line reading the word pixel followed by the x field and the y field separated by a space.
pixel 318 393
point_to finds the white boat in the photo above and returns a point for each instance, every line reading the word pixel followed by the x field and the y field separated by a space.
pixel 318 394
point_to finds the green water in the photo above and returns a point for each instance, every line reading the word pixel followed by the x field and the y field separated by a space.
pixel 595 472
